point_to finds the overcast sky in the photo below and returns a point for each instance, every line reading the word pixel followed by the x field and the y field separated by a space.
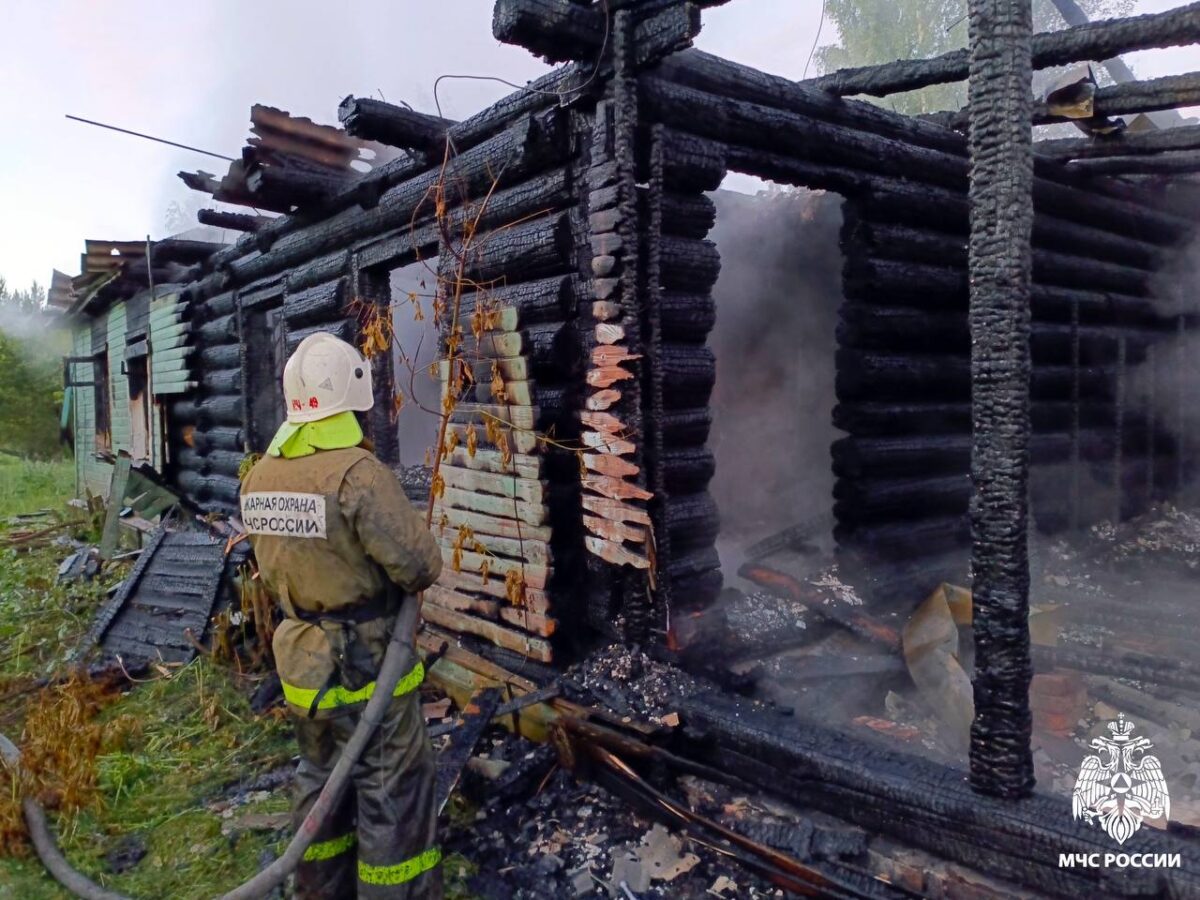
pixel 191 71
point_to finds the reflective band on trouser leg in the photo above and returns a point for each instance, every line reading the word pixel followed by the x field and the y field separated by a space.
pixel 401 872
pixel 323 850
pixel 340 696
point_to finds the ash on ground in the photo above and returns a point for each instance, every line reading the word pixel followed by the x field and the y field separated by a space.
pixel 531 830
pixel 630 682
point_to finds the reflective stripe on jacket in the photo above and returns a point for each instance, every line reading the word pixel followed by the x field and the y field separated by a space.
pixel 338 696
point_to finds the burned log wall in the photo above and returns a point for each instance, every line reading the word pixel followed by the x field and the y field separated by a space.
pixel 319 271
pixel 903 383
pixel 498 230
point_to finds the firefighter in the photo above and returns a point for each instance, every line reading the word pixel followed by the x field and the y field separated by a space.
pixel 341 547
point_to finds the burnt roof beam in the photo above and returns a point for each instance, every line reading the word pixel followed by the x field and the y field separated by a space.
pixel 1095 41
pixel 219 218
pixel 396 126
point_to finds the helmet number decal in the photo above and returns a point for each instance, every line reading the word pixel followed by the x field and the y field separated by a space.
pixel 284 514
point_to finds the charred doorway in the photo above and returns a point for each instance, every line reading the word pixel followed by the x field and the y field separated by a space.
pixel 777 302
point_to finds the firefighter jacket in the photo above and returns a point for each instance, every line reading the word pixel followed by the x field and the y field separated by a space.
pixel 333 533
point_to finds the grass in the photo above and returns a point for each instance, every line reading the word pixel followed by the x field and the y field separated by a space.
pixel 171 746
pixel 29 485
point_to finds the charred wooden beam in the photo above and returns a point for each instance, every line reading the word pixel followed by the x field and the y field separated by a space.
pixel 925 804
pixel 1179 163
pixel 1186 137
pixel 904 541
pixel 285 178
pixel 937 287
pixel 906 243
pixel 881 418
pixel 784 146
pixel 896 499
pixel 219 218
pixel 204 488
pixel 397 126
pixel 1097 41
pixel 316 304
pixel 525 252
pixel 540 300
pixel 221 381
pixel 919 206
pixel 1001 273
pixel 917 454
pixel 864 326
pixel 556 30
pixel 206 441
pixel 339 328
pixel 224 356
pixel 723 78
pixel 864 375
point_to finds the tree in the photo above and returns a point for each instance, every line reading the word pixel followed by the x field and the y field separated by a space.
pixel 31 349
pixel 880 31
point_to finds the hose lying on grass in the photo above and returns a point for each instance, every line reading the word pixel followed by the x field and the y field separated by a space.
pixel 390 673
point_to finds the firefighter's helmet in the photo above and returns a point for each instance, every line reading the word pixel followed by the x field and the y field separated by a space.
pixel 324 377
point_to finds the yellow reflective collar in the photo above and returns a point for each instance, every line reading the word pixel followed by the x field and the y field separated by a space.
pixel 401 872
pixel 295 439
pixel 340 696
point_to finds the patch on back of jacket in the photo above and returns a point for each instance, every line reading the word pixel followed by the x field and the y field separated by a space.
pixel 284 514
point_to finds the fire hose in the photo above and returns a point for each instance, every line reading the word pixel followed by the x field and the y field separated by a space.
pixel 390 672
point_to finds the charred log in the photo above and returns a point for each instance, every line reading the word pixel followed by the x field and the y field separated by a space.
pixel 1186 137
pixel 687 426
pixel 1096 40
pixel 376 120
pixel 688 265
pixel 316 304
pixel 221 381
pixel 340 329
pixel 687 317
pixel 1181 163
pixel 206 441
pixel 218 218
pixel 542 300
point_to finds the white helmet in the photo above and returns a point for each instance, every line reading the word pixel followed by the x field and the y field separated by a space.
pixel 325 376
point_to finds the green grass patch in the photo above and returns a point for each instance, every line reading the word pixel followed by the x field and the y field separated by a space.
pixel 29 485
pixel 173 745
pixel 179 743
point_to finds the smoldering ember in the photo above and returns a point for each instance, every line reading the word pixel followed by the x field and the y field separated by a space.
pixel 842 540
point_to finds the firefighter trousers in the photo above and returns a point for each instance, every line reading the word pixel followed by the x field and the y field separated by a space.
pixel 380 842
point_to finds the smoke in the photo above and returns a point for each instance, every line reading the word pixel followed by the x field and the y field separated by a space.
pixel 777 300
pixel 1167 383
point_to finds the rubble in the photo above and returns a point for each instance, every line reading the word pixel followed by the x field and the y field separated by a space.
pixel 546 835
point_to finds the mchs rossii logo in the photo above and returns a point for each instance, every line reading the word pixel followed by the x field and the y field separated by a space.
pixel 1119 787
